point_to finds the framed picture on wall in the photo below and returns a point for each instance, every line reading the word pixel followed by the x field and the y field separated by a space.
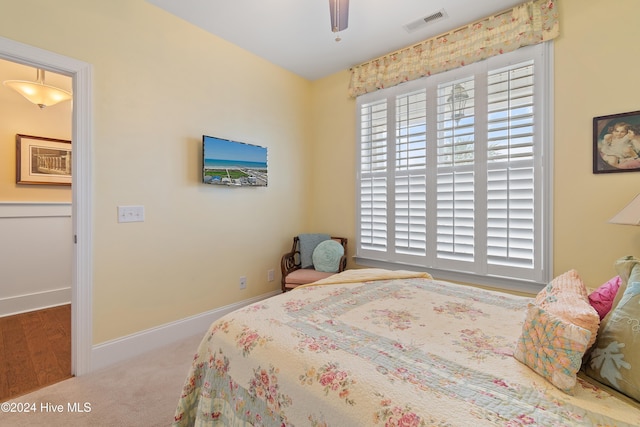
pixel 42 160
pixel 616 143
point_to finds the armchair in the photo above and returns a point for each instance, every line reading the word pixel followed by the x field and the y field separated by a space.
pixel 304 264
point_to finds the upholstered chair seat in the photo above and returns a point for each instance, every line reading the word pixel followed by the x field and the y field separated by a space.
pixel 312 257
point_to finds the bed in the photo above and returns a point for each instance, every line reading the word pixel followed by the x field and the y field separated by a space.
pixel 374 347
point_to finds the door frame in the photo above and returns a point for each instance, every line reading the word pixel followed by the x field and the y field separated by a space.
pixel 82 183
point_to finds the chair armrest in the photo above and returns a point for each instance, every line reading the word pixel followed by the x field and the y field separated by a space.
pixel 343 260
pixel 343 263
pixel 289 263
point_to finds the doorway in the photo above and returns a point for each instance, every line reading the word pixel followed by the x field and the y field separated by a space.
pixel 36 225
pixel 81 284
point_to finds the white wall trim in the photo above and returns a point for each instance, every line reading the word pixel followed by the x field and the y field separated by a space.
pixel 123 348
pixel 34 209
pixel 25 288
pixel 24 303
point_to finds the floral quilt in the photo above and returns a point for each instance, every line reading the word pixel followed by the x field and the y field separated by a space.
pixel 410 351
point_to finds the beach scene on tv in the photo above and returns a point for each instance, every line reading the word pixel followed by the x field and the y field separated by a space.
pixel 232 163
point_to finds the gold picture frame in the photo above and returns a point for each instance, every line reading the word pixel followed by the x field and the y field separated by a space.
pixel 44 161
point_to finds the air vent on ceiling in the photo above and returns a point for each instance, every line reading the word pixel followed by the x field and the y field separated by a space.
pixel 423 22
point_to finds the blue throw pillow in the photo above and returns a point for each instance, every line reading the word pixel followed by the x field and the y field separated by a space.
pixel 308 243
pixel 327 255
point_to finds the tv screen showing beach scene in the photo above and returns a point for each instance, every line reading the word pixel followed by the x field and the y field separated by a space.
pixel 233 163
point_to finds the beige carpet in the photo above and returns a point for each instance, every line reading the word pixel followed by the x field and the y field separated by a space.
pixel 142 391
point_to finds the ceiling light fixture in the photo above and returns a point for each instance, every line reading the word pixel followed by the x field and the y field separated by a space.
pixel 339 10
pixel 37 92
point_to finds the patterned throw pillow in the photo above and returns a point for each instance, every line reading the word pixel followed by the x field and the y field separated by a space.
pixel 327 255
pixel 566 297
pixel 615 358
pixel 552 347
pixel 624 266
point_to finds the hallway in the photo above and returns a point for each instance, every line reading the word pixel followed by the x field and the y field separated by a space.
pixel 35 350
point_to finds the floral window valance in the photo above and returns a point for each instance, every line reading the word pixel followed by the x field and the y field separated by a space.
pixel 526 24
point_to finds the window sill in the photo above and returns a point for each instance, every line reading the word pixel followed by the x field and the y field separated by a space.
pixel 506 284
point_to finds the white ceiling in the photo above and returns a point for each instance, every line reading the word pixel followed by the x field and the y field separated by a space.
pixel 296 34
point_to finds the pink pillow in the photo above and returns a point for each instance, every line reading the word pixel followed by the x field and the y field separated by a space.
pixel 602 298
pixel 566 297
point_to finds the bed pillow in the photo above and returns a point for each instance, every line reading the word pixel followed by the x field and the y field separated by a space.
pixel 624 266
pixel 615 358
pixel 552 347
pixel 602 298
pixel 308 243
pixel 566 297
pixel 327 255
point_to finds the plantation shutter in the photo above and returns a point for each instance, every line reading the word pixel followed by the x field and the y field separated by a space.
pixel 373 179
pixel 455 186
pixel 451 173
pixel 510 162
pixel 410 174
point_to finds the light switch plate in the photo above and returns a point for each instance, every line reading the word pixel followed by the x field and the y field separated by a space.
pixel 130 213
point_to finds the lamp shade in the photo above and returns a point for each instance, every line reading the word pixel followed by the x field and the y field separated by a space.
pixel 629 215
pixel 37 92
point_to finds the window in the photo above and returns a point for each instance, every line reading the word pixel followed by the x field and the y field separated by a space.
pixel 454 171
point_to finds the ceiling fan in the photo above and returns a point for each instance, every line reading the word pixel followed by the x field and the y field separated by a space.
pixel 339 10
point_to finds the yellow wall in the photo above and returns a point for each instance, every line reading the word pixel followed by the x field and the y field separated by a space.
pixel 334 159
pixel 595 74
pixel 159 84
pixel 19 116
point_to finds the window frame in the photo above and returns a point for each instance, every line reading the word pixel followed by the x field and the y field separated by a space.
pixel 542 54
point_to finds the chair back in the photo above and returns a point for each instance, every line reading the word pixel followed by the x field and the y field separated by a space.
pixel 293 260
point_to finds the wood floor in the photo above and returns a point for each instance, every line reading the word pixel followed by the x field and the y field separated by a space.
pixel 35 350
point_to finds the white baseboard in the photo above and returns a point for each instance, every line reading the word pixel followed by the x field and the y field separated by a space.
pixel 110 352
pixel 34 301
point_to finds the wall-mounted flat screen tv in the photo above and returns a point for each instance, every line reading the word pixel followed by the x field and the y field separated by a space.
pixel 233 163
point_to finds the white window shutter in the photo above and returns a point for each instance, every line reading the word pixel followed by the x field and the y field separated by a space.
pixel 373 181
pixel 410 208
pixel 510 154
pixel 451 170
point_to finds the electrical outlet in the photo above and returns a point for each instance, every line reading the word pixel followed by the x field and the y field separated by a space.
pixel 243 282
pixel 271 274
